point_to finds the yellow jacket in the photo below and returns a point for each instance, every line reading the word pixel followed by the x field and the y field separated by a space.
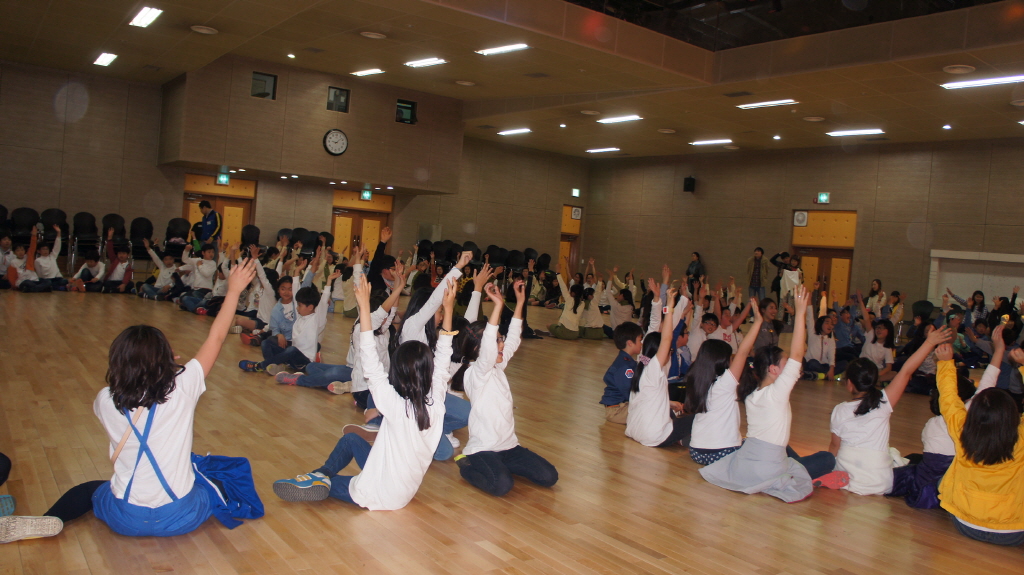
pixel 990 496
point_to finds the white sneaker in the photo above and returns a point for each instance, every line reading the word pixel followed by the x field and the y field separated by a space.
pixel 16 528
pixel 236 329
pixel 339 387
pixel 453 440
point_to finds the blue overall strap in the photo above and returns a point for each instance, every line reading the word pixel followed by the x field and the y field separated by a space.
pixel 144 448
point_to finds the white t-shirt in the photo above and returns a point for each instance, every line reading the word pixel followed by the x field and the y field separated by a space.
pixel 876 351
pixel 96 271
pixel 377 322
pixel 649 420
pixel 414 326
pixel 307 328
pixel 719 426
pixel 402 453
pixel 868 431
pixel 170 440
pixel 492 427
pixel 769 415
pixel 117 274
pixel 620 313
pixel 203 272
pixel 935 437
pixel 46 266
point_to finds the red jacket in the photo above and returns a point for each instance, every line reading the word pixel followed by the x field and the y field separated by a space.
pixel 112 258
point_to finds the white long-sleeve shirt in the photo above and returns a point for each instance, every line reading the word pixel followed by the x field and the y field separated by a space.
pixel 413 327
pixel 307 328
pixel 165 277
pixel 569 319
pixel 649 420
pixel 769 415
pixel 935 435
pixel 591 316
pixel 402 452
pixel 380 320
pixel 46 266
pixel 819 347
pixel 264 298
pixel 203 272
pixel 97 271
pixel 492 427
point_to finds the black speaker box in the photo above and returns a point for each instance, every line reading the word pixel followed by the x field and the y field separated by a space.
pixel 690 184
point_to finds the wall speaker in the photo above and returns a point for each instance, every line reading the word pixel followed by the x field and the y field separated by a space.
pixel 690 184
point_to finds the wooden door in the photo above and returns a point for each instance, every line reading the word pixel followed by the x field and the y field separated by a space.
pixel 564 251
pixel 830 268
pixel 839 274
pixel 369 230
pixel 235 214
pixel 343 241
pixel 810 266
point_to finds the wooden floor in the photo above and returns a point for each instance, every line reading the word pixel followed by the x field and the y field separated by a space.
pixel 618 507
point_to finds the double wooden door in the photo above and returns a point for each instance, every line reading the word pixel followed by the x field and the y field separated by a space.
pixel 352 228
pixel 235 214
pixel 830 268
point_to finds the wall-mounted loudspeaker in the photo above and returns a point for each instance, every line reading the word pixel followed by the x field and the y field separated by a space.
pixel 690 184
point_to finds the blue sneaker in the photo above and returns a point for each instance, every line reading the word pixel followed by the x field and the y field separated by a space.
pixel 252 366
pixel 312 487
pixel 6 505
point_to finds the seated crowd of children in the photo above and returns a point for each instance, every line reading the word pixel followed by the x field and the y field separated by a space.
pixel 682 371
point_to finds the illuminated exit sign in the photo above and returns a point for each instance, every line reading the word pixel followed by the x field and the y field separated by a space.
pixel 823 198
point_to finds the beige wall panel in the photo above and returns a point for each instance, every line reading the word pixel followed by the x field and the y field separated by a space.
pixel 151 192
pixel 860 45
pixel 33 105
pixel 306 121
pixel 172 120
pixel 142 123
pixel 30 178
pixel 91 182
pixel 207 107
pixel 1004 239
pixel 101 129
pixel 903 182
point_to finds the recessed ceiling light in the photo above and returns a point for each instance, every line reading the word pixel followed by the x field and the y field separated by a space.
pixel 373 35
pixel 947 127
pixel 145 17
pixel 203 30
pixel 589 112
pixel 630 118
pixel 786 102
pixel 599 150
pixel 391 187
pixel 958 69
pixel 232 171
pixel 666 131
pixel 333 184
pixel 984 82
pixel 813 119
pixel 369 72
pixel 465 83
pixel 514 132
pixel 776 137
pixel 1021 123
pixel 561 125
pixel 502 49
pixel 710 142
pixel 291 55
pixel 241 169
pixel 284 177
pixel 376 188
pixel 105 59
pixel 425 62
pixel 867 132
pixel 344 182
pixel 731 147
pixel 294 176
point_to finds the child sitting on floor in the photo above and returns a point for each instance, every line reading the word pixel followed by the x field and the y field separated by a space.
pixel 90 275
pixel 165 281
pixel 47 267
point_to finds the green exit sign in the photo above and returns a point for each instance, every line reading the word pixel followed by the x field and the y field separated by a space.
pixel 823 197
pixel 223 179
pixel 366 195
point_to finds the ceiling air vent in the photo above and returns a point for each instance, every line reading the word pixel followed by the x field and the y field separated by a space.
pixel 536 75
pixel 738 94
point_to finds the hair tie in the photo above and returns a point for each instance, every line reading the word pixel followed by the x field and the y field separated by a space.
pixel 643 359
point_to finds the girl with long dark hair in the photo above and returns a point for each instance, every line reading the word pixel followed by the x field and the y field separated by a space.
pixel 568 326
pixel 879 342
pixel 411 399
pixel 147 411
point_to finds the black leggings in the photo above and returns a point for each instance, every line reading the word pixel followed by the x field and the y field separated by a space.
pixel 76 502
pixel 681 428
pixel 5 468
pixel 492 471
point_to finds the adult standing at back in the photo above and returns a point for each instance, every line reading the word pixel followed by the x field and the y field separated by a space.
pixel 213 224
pixel 757 275
pixel 695 274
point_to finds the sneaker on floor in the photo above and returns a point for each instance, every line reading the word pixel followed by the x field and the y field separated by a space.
pixel 16 528
pixel 251 366
pixel 453 440
pixel 276 368
pixel 201 311
pixel 6 505
pixel 235 329
pixel 834 480
pixel 339 387
pixel 287 378
pixel 311 487
pixel 249 339
pixel 367 432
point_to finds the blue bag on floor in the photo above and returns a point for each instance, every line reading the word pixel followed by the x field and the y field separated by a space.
pixel 239 499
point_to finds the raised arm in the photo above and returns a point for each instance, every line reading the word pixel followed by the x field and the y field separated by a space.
pixel 667 327
pixel 800 326
pixel 738 319
pixel 950 405
pixel 865 321
pixel 152 255
pixel 207 355
pixel 480 279
pixel 655 322
pixel 991 375
pixel 418 320
pixel 739 361
pixel 899 383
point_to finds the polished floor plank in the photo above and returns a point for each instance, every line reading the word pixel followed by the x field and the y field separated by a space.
pixel 618 507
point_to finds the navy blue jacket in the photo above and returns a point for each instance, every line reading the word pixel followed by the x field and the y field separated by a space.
pixel 211 227
pixel 618 379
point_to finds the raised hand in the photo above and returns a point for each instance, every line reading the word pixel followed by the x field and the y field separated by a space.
pixel 241 276
pixel 803 297
pixel 494 295
pixel 450 291
pixel 481 277
pixel 399 270
pixel 145 242
pixel 755 308
pixel 998 343
pixel 464 259
pixel 110 233
pixel 385 235
pixel 652 286
pixel 944 352
pixel 940 336
pixel 1017 355
pixel 671 296
pixel 666 274
pixel 362 291
pixel 334 275
pixel 530 264
pixel 519 287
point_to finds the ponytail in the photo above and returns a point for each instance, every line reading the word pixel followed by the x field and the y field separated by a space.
pixel 466 348
pixel 576 292
pixel 764 358
pixel 649 349
pixel 863 374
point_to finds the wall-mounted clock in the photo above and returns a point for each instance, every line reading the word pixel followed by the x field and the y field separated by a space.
pixel 335 142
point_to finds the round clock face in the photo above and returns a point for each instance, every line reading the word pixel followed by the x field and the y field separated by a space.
pixel 335 142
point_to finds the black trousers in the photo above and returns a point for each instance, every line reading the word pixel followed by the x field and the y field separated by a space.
pixel 5 468
pixel 492 471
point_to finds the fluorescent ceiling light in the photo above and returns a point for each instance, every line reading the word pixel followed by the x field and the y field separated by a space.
pixel 241 169
pixel 1021 123
pixel 344 182
pixel 333 184
pixel 767 104
pixel 294 176
pixel 369 72
pixel 561 125
pixel 985 82
pixel 291 55
pixel 856 132
pixel 145 17
pixel 776 137
pixel 947 127
pixel 284 177
pixel 710 142
pixel 619 119
pixel 513 132
pixel 502 49
pixel 105 59
pixel 599 150
pixel 425 62
pixel 232 171
pixel 391 187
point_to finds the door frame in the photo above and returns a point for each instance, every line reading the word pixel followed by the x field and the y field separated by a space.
pixel 357 221
pixel 826 255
